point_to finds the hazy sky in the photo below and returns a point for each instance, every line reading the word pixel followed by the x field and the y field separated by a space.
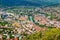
pixel 29 2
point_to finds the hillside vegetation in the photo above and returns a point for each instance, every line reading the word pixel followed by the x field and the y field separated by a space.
pixel 50 34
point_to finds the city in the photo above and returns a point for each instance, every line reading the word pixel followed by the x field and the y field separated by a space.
pixel 25 22
pixel 29 20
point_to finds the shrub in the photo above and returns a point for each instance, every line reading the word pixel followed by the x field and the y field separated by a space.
pixel 51 34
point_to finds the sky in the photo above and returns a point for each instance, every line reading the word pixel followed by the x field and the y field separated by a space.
pixel 28 2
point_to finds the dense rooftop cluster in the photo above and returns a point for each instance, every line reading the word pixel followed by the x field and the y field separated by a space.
pixel 19 22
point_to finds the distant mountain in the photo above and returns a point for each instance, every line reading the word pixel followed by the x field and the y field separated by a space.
pixel 4 3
